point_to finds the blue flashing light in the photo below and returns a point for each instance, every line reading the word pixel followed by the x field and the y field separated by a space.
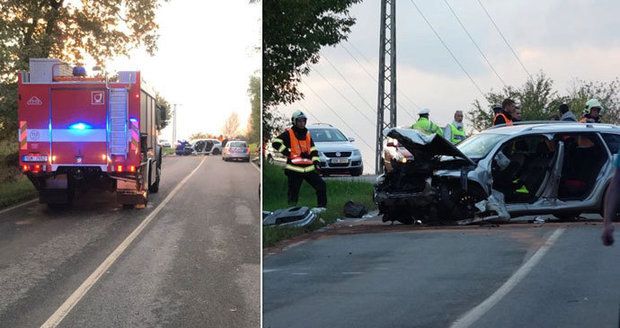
pixel 133 120
pixel 79 126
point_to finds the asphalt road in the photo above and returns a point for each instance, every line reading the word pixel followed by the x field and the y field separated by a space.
pixel 554 275
pixel 196 264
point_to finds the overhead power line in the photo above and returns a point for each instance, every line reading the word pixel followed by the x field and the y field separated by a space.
pixel 337 115
pixel 306 110
pixel 505 40
pixel 352 87
pixel 400 93
pixel 474 42
pixel 375 79
pixel 347 82
pixel 447 48
pixel 345 97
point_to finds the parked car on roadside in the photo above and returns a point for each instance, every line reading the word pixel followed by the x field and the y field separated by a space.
pixel 562 169
pixel 207 147
pixel 236 150
pixel 337 154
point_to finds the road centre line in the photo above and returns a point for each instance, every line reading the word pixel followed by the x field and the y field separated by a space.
pixel 55 319
pixel 476 313
pixel 18 206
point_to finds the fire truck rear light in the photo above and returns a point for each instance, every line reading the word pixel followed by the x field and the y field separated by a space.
pixel 132 169
pixel 25 168
pixel 104 157
pixel 37 168
pixel 54 158
pixel 119 168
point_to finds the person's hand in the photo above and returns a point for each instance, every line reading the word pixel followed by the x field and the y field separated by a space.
pixel 317 167
pixel 608 235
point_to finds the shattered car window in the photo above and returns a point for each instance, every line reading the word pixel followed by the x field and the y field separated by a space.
pixel 480 145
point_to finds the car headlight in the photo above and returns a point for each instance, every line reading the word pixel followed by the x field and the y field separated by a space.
pixel 356 153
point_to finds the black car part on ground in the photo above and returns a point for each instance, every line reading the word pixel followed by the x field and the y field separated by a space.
pixel 354 210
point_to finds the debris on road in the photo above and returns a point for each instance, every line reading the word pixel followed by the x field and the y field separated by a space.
pixel 289 217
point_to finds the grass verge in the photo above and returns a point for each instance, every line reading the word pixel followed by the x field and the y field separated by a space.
pixel 168 151
pixel 275 190
pixel 13 192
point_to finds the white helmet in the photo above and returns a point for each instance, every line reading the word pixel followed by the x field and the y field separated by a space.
pixel 424 111
pixel 297 115
pixel 592 103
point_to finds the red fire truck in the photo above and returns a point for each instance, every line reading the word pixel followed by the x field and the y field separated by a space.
pixel 78 132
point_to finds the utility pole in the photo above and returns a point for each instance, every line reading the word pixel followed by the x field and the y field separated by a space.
pixel 174 124
pixel 387 76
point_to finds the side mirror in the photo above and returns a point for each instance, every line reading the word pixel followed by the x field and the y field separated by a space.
pixel 351 139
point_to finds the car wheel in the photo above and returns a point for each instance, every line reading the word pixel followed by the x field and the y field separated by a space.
pixel 216 151
pixel 356 172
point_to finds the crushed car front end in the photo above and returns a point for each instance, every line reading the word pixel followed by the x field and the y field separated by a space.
pixel 428 179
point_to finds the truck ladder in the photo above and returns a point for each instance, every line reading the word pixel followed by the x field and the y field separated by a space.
pixel 117 122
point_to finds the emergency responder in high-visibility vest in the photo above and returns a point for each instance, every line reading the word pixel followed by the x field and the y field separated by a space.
pixel 425 125
pixel 302 160
pixel 505 116
pixel 455 132
pixel 591 114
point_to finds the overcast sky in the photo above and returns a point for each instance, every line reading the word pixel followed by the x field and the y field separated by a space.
pixel 204 61
pixel 566 39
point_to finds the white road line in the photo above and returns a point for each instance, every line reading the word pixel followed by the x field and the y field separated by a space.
pixel 17 206
pixel 79 293
pixel 476 313
pixel 256 167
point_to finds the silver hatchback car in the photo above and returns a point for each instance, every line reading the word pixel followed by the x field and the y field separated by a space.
pixel 555 168
pixel 236 150
pixel 337 154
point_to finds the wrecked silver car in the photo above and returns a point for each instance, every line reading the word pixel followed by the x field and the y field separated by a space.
pixel 561 169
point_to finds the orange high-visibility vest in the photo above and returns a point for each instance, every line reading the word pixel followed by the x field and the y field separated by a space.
pixel 508 121
pixel 298 147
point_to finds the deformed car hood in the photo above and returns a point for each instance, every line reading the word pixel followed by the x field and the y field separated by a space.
pixel 416 141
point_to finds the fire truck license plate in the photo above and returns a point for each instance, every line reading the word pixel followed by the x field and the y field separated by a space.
pixel 34 158
pixel 340 160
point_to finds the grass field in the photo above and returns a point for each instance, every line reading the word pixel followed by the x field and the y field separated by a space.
pixel 13 192
pixel 14 187
pixel 338 193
